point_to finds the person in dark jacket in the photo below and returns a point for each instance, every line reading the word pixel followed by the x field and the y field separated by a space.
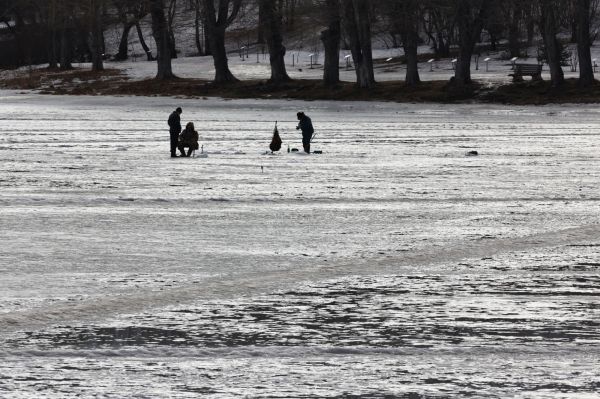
pixel 188 138
pixel 307 130
pixel 174 130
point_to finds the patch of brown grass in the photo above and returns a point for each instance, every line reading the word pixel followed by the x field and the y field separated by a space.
pixel 55 81
pixel 542 92
pixel 295 89
pixel 114 82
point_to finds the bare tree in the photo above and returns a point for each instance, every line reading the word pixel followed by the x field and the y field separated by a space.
pixel 52 48
pixel 121 7
pixel 160 31
pixel 512 12
pixel 130 12
pixel 470 16
pixel 198 18
pixel 549 29
pixel 216 22
pixel 170 21
pixel 270 16
pixel 47 11
pixel 147 50
pixel 95 11
pixel 439 24
pixel 45 23
pixel 357 27
pixel 66 35
pixel 586 70
pixel 405 19
pixel 331 38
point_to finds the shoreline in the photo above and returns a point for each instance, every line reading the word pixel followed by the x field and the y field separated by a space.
pixel 116 82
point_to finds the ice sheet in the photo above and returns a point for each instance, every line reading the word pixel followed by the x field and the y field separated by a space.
pixel 393 263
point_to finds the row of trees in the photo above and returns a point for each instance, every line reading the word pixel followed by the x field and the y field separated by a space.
pixel 450 27
pixel 65 27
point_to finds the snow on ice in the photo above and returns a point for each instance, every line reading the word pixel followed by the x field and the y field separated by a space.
pixel 392 264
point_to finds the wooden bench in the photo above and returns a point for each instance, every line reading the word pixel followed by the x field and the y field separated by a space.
pixel 533 70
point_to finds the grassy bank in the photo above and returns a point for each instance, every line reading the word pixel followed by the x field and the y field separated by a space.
pixel 114 82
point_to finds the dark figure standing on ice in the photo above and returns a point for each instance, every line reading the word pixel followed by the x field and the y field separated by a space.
pixel 307 130
pixel 174 130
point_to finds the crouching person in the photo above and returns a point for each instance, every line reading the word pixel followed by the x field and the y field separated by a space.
pixel 188 139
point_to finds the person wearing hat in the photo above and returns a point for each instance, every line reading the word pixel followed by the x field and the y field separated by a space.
pixel 307 130
pixel 174 130
pixel 188 139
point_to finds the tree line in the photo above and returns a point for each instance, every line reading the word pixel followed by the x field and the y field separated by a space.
pixel 456 28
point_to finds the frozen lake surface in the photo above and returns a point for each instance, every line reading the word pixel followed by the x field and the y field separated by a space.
pixel 390 266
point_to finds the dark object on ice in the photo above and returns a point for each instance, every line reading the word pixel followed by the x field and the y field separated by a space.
pixel 472 153
pixel 317 152
pixel 294 150
pixel 188 139
pixel 174 129
pixel 276 141
pixel 307 130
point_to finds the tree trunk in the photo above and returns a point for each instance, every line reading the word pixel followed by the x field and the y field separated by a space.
pixel 271 17
pixel 216 24
pixel 412 62
pixel 357 26
pixel 514 46
pixel 160 31
pixel 331 42
pixel 66 53
pixel 149 55
pixel 206 30
pixel 260 34
pixel 197 35
pixel 52 59
pixel 439 29
pixel 444 48
pixel 470 24
pixel 172 46
pixel 408 23
pixel 170 21
pixel 586 70
pixel 52 45
pixel 493 42
pixel 548 26
pixel 102 42
pixel 123 53
pixel 97 37
pixel 217 45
